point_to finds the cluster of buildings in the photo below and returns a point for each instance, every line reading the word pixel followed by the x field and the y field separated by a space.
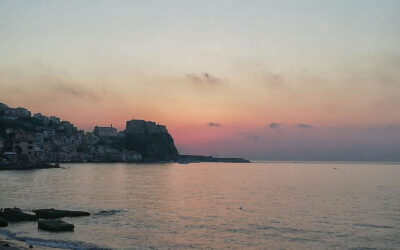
pixel 13 113
pixel 141 126
pixel 48 139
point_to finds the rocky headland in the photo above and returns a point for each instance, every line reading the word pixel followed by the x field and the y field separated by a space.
pixel 35 141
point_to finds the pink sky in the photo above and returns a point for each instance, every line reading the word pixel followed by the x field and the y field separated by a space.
pixel 333 67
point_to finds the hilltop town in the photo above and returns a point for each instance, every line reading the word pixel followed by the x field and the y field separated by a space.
pixel 27 139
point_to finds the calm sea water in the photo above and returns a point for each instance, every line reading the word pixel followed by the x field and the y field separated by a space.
pixel 172 206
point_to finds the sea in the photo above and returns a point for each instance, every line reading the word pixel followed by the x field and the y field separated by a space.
pixel 259 205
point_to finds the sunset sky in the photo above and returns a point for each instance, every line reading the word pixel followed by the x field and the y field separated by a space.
pixel 279 80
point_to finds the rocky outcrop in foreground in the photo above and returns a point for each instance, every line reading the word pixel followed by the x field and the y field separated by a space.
pixel 55 214
pixel 51 224
pixel 16 214
pixel 55 226
pixel 3 222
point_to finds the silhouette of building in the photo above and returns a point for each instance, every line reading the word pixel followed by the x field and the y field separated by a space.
pixel 54 119
pixel 23 143
pixel 142 126
pixel 41 117
pixel 19 112
pixel 3 107
pixel 105 131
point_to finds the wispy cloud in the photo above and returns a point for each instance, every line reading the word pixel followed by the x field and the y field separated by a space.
pixel 252 137
pixel 274 81
pixel 75 91
pixel 213 124
pixel 249 136
pixel 302 125
pixel 274 125
pixel 203 78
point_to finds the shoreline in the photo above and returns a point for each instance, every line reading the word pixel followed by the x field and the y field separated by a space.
pixel 7 243
pixel 11 243
pixel 184 159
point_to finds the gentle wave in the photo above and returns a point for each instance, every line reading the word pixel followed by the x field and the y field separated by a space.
pixel 110 212
pixel 372 225
pixel 52 243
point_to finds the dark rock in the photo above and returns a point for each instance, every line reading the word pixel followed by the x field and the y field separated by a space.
pixel 3 222
pixel 153 147
pixel 54 213
pixel 55 225
pixel 16 214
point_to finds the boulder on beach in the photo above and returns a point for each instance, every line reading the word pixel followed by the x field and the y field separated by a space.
pixel 55 213
pixel 55 226
pixel 16 214
pixel 3 222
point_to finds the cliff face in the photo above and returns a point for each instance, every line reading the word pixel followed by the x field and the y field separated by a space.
pixel 152 147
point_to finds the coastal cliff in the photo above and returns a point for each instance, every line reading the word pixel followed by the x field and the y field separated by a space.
pixel 152 147
pixel 29 142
